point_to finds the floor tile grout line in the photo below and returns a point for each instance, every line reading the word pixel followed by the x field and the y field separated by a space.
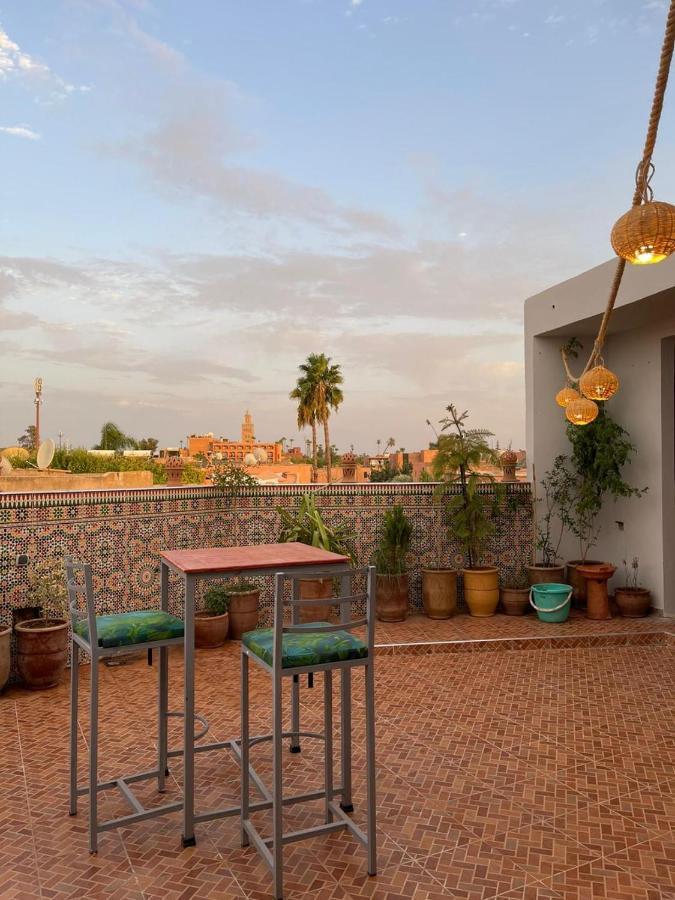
pixel 27 795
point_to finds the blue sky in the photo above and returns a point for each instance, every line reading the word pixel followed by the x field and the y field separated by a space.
pixel 197 195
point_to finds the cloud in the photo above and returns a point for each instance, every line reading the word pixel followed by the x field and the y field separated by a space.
pixel 21 131
pixel 16 63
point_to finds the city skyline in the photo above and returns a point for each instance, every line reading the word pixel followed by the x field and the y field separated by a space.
pixel 287 183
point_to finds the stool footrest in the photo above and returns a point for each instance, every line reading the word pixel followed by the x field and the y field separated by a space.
pixel 203 721
pixel 291 836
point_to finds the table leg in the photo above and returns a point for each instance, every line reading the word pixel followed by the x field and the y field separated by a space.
pixel 189 715
pixel 346 709
pixel 162 722
pixel 295 681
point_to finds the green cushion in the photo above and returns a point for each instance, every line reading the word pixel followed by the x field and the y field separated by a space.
pixel 311 649
pixel 140 627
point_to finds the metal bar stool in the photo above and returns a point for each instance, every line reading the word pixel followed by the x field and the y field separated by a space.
pixel 288 650
pixel 103 636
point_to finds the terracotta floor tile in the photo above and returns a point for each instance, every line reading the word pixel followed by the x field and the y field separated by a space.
pixel 542 850
pixel 653 861
pixel 603 878
pixel 475 870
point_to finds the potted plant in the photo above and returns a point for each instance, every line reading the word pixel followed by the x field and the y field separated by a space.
pixel 439 582
pixel 458 460
pixel 243 603
pixel 5 633
pixel 212 622
pixel 599 453
pixel 42 644
pixel 549 527
pixel 633 601
pixel 390 562
pixel 306 525
pixel 515 598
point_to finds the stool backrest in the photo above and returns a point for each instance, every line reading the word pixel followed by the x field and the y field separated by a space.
pixel 80 583
pixel 344 600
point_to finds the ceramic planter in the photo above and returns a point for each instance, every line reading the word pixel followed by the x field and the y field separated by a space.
pixel 439 592
pixel 597 598
pixel 315 589
pixel 42 651
pixel 515 601
pixel 392 598
pixel 243 612
pixel 481 590
pixel 210 629
pixel 538 574
pixel 577 581
pixel 632 602
pixel 5 633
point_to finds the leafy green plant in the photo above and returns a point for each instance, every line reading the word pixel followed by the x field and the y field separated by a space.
pixel 461 451
pixel 217 599
pixel 558 485
pixel 394 542
pixel 306 525
pixel 600 451
pixel 47 589
pixel 233 480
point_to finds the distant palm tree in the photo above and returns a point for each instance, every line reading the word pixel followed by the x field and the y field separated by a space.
pixel 113 438
pixel 391 442
pixel 318 392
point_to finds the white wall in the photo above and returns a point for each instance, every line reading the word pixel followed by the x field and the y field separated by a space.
pixel 640 350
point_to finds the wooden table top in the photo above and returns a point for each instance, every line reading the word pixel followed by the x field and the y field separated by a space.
pixel 255 556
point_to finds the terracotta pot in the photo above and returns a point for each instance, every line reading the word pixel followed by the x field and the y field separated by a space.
pixel 632 602
pixel 210 629
pixel 577 581
pixel 545 574
pixel 392 598
pixel 243 612
pixel 42 651
pixel 439 592
pixel 481 590
pixel 316 589
pixel 5 633
pixel 597 599
pixel 515 601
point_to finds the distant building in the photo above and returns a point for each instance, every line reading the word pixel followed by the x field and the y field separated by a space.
pixel 216 450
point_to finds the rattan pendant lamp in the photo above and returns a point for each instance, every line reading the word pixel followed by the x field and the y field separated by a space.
pixel 643 235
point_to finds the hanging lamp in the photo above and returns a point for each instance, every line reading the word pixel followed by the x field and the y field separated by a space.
pixel 565 396
pixel 582 411
pixel 599 383
pixel 643 235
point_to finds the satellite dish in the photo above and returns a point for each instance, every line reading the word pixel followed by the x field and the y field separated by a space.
pixel 5 466
pixel 45 454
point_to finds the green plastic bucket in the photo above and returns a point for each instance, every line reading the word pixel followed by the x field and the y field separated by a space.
pixel 551 601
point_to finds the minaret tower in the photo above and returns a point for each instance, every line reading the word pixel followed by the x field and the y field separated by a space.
pixel 247 429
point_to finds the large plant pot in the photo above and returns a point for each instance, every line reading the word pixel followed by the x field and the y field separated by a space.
pixel 5 634
pixel 632 602
pixel 243 612
pixel 42 651
pixel 210 629
pixel 597 598
pixel 439 592
pixel 315 589
pixel 545 574
pixel 481 590
pixel 392 598
pixel 577 581
pixel 515 601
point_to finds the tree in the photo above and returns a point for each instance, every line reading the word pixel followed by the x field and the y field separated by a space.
pixel 27 439
pixel 460 454
pixel 113 438
pixel 148 443
pixel 318 392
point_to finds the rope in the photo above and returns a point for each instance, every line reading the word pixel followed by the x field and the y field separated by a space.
pixel 643 190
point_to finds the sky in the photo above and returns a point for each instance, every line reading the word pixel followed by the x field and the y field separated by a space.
pixel 195 196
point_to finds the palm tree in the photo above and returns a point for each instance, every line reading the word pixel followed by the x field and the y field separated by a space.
pixel 113 438
pixel 318 392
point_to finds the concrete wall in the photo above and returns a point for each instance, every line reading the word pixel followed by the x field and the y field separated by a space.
pixel 22 480
pixel 640 350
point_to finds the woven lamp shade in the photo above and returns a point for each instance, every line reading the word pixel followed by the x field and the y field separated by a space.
pixel 646 233
pixel 565 396
pixel 582 411
pixel 599 383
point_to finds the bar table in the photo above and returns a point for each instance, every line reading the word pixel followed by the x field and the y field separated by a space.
pixel 232 562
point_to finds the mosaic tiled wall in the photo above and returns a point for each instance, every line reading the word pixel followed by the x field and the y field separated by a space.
pixel 121 532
